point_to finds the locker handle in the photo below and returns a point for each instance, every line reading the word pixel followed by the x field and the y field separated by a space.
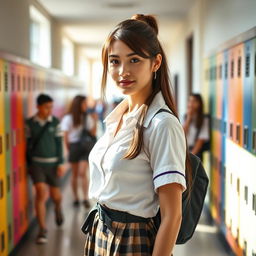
pixel 254 203
pixel 2 242
pixel 246 130
pixel 246 194
pixel 12 82
pixel 232 68
pixel 226 70
pixel 254 140
pixel 238 133
pixel 231 130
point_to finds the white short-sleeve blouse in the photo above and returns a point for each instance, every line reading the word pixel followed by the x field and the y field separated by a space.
pixel 74 133
pixel 131 185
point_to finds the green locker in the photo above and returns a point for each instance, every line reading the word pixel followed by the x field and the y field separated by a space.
pixel 8 153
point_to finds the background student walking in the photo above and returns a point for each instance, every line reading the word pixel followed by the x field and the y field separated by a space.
pixel 72 125
pixel 44 151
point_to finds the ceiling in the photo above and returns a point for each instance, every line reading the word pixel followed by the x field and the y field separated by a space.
pixel 88 22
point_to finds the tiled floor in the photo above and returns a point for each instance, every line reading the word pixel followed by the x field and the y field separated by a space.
pixel 68 240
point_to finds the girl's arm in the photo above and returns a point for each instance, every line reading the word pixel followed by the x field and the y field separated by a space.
pixel 170 199
pixel 198 145
pixel 65 137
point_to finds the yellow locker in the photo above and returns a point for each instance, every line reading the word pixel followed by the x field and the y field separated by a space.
pixel 3 197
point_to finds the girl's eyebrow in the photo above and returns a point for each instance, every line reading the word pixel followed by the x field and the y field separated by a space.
pixel 116 56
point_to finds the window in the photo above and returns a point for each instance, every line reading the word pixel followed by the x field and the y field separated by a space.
pixel 67 56
pixel 40 39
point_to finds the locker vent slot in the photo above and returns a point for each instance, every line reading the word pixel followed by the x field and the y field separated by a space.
pixel 226 70
pixel 7 141
pixel 232 68
pixel 8 183
pixel 0 81
pixel 220 71
pixel 1 189
pixel 13 81
pixel 246 131
pixel 29 83
pixel 24 83
pixel 2 242
pixel 1 145
pixel 247 65
pixel 18 82
pixel 238 133
pixel 239 67
pixel 246 194
pixel 6 81
pixel 225 128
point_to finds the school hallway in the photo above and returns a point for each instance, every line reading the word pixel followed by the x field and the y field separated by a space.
pixel 69 239
pixel 53 48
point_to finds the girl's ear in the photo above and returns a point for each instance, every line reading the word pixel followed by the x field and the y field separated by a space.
pixel 157 62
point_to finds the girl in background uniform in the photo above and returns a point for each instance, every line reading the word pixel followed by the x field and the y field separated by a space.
pixel 196 125
pixel 72 125
pixel 139 164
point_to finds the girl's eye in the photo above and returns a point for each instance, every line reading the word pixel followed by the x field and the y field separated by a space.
pixel 114 61
pixel 134 60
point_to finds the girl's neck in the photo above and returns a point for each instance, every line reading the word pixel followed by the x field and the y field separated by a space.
pixel 137 100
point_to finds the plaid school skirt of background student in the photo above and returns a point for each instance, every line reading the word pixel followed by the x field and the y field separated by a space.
pixel 122 239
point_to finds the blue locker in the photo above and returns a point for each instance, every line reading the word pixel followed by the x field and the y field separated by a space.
pixel 247 95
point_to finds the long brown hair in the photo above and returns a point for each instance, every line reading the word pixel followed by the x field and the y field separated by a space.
pixel 200 110
pixel 140 34
pixel 75 110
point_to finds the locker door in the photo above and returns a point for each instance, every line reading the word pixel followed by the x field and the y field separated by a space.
pixel 3 195
pixel 14 153
pixel 8 166
pixel 224 136
pixel 254 99
pixel 238 93
pixel 247 95
pixel 231 98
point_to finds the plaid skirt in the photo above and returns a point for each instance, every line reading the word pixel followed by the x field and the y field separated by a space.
pixel 122 239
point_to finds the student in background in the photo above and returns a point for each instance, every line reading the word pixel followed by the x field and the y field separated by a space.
pixel 196 125
pixel 72 125
pixel 44 146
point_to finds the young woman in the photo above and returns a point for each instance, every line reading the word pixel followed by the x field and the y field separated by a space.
pixel 72 125
pixel 139 163
pixel 196 125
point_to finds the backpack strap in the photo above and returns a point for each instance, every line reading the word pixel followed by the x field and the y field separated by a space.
pixel 39 136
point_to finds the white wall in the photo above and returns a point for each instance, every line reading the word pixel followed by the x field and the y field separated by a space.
pixel 212 23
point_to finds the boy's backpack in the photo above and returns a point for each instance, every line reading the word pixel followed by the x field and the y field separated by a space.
pixel 191 206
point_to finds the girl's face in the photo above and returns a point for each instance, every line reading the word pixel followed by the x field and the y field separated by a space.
pixel 131 73
pixel 193 104
pixel 84 106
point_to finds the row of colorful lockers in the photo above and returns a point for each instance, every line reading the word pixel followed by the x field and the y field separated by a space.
pixel 231 83
pixel 19 86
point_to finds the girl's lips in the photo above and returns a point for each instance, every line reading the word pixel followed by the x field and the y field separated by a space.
pixel 125 83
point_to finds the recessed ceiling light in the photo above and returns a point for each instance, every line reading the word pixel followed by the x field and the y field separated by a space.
pixel 120 4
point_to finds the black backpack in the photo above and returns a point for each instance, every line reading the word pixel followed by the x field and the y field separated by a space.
pixel 191 207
